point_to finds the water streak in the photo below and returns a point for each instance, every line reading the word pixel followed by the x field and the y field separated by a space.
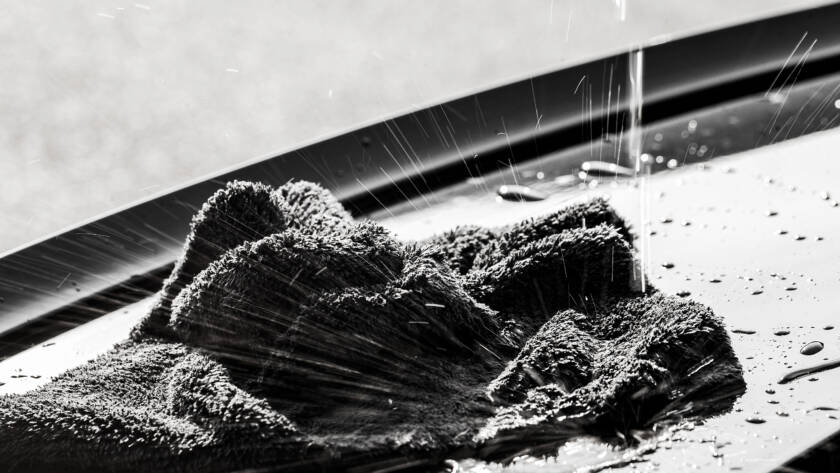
pixel 642 161
pixel 809 370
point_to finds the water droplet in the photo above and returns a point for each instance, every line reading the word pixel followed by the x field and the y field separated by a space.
pixel 668 265
pixel 667 220
pixel 743 331
pixel 782 232
pixel 520 193
pixel 828 327
pixel 757 292
pixel 800 237
pixel 600 168
pixel 824 195
pixel 714 281
pixel 567 180
pixel 812 348
pixel 683 293
pixel 790 288
pixel 782 413
pixel 692 150
pixel 770 391
pixel 772 401
pixel 755 420
pixel 685 223
pixel 771 213
pixel 781 333
pixel 692 125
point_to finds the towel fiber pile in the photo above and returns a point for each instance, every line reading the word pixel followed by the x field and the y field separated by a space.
pixel 289 336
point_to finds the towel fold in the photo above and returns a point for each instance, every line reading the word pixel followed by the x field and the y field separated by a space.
pixel 291 337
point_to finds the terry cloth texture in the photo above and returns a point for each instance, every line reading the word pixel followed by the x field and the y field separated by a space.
pixel 289 336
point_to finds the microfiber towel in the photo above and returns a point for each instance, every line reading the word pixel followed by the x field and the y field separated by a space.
pixel 291 337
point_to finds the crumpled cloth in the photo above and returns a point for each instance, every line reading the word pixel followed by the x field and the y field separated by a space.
pixel 291 337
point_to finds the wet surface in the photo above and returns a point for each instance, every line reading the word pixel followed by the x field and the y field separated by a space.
pixel 37 365
pixel 726 202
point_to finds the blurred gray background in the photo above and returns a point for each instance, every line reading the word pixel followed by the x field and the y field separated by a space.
pixel 105 103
